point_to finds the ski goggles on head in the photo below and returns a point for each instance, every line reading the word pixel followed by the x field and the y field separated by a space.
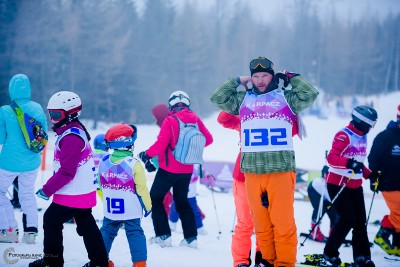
pixel 261 62
pixel 57 114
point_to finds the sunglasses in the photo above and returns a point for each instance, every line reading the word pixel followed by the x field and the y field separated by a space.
pixel 57 115
pixel 261 62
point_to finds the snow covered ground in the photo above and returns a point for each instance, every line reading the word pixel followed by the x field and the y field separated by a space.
pixel 214 248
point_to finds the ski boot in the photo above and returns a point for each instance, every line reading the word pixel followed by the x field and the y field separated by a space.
pixel 382 240
pixel 163 241
pixel 315 260
pixel 265 263
pixel 189 242
pixel 362 261
pixel 334 261
pixel 10 235
pixel 317 235
pixel 39 263
pixel 396 244
pixel 257 259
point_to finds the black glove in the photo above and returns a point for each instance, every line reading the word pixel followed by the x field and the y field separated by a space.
pixel 264 200
pixel 355 165
pixel 143 157
pixel 324 171
pixel 147 162
pixel 374 181
pixel 150 166
pixel 285 76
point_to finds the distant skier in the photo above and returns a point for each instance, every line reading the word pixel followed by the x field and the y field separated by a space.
pixel 72 185
pixel 192 198
pixel 385 158
pixel 317 189
pixel 126 196
pixel 349 150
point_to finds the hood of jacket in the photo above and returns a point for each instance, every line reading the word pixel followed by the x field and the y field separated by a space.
pixel 19 87
pixel 392 124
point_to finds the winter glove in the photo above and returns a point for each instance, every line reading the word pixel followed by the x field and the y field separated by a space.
pixel 143 157
pixel 147 162
pixel 41 194
pixel 324 171
pixel 264 200
pixel 150 166
pixel 285 76
pixel 147 213
pixel 355 165
pixel 374 181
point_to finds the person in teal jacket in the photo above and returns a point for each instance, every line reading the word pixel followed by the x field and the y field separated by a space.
pixel 17 160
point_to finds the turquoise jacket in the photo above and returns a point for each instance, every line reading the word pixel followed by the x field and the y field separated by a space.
pixel 15 155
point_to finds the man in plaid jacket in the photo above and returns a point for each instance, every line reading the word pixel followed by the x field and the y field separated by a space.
pixel 269 119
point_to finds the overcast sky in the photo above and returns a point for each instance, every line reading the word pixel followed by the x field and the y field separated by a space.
pixel 268 10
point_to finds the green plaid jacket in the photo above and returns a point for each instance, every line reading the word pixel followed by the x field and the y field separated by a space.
pixel 301 96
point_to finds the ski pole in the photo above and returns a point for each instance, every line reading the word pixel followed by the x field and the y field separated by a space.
pixel 320 208
pixel 216 213
pixel 234 220
pixel 373 196
pixel 327 208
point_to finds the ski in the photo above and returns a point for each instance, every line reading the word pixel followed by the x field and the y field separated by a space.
pixel 319 260
pixel 391 258
pixel 346 243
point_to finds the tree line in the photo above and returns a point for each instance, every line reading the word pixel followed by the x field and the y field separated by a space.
pixel 123 62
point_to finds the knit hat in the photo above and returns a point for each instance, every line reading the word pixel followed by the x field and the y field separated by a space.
pixel 160 112
pixel 398 114
pixel 261 64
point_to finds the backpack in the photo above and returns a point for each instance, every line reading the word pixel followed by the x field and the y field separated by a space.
pixel 190 145
pixel 32 130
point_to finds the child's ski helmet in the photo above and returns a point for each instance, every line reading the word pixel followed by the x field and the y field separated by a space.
pixel 121 136
pixel 99 142
pixel 364 117
pixel 64 105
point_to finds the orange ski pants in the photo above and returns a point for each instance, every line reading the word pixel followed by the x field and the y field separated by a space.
pixel 392 199
pixel 275 226
pixel 241 238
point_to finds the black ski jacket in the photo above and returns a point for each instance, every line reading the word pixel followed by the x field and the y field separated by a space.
pixel 385 157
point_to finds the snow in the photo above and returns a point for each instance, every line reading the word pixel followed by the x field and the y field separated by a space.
pixel 214 248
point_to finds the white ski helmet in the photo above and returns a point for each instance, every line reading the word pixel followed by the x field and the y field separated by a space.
pixel 62 104
pixel 178 98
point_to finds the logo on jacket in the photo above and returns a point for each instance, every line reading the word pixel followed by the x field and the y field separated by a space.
pixel 396 150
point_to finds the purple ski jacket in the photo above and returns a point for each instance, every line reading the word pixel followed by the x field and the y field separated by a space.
pixel 71 147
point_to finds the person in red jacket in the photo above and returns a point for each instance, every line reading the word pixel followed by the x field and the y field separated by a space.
pixel 172 173
pixel 160 112
pixel 241 238
pixel 346 161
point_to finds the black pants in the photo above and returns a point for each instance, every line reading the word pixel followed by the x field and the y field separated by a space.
pixel 54 218
pixel 351 209
pixel 315 199
pixel 180 186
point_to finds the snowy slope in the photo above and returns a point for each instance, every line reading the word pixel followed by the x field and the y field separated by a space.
pixel 214 248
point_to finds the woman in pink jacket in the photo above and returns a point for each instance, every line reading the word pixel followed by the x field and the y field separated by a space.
pixel 172 173
pixel 73 186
